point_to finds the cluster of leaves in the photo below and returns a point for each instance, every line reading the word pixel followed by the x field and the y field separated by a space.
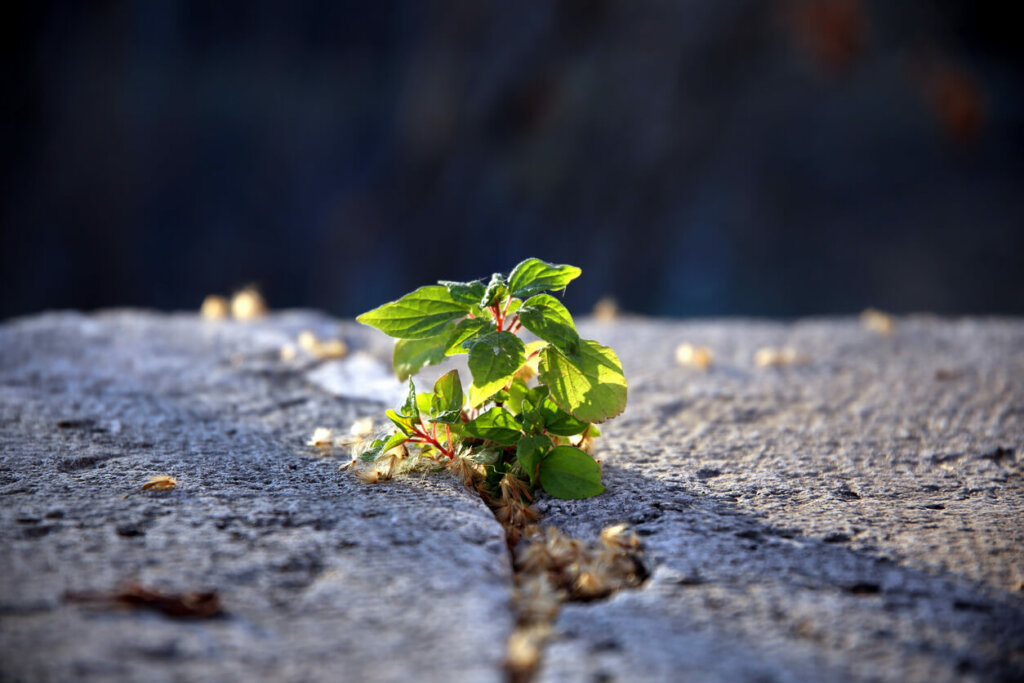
pixel 529 406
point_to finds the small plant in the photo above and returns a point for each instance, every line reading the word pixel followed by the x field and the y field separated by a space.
pixel 528 417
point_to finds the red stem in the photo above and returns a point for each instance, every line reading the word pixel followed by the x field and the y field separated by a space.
pixel 422 437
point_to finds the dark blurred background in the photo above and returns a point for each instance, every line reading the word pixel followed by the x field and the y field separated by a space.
pixel 719 157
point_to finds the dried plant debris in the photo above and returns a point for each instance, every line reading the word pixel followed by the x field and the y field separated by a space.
pixel 322 439
pixel 215 307
pixel 394 462
pixel 606 310
pixel 522 654
pixel 309 345
pixel 248 304
pixel 877 321
pixel 190 605
pixel 359 435
pixel 553 568
pixel 692 356
pixel 321 348
pixel 161 482
pixel 288 352
pixel 771 357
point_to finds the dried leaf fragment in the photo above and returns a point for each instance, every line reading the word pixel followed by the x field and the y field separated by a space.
pixel 161 482
pixel 877 321
pixel 770 357
pixel 321 348
pixel 322 438
pixel 694 356
pixel 191 605
pixel 606 310
pixel 523 651
pixel 362 427
pixel 215 307
pixel 248 304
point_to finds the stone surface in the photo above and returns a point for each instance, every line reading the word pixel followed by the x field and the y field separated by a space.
pixel 322 578
pixel 857 517
pixel 860 516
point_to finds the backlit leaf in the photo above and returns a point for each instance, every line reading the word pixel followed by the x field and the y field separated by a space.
pixel 589 385
pixel 417 315
pixel 533 276
pixel 493 359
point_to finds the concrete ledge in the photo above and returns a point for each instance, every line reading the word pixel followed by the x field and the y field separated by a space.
pixel 855 517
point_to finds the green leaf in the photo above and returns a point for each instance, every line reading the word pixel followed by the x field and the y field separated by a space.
pixel 497 290
pixel 411 407
pixel 517 391
pixel 559 422
pixel 466 330
pixel 486 456
pixel 417 315
pixel 533 276
pixel 468 293
pixel 568 472
pixel 381 446
pixel 401 421
pixel 411 355
pixel 493 359
pixel 448 398
pixel 589 385
pixel 424 402
pixel 530 451
pixel 497 425
pixel 546 317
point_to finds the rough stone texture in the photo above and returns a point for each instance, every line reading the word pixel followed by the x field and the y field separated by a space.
pixel 858 517
pixel 322 578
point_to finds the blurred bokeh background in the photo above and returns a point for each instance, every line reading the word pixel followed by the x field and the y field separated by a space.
pixel 712 157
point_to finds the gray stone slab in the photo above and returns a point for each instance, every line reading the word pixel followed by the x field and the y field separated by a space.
pixel 322 578
pixel 858 517
pixel 854 518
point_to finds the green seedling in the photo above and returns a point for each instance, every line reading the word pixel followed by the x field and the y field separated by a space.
pixel 528 417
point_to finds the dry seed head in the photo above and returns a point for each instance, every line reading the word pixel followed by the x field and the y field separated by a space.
pixel 248 304
pixel 514 489
pixel 322 438
pixel 160 482
pixel 536 599
pixel 619 537
pixel 523 650
pixel 533 559
pixel 769 357
pixel 465 470
pixel 694 356
pixel 306 341
pixel 331 348
pixel 392 462
pixel 362 427
pixel 367 475
pixel 321 348
pixel 561 549
pixel 584 442
pixel 215 307
pixel 591 585
pixel 877 321
pixel 606 310
pixel 359 434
